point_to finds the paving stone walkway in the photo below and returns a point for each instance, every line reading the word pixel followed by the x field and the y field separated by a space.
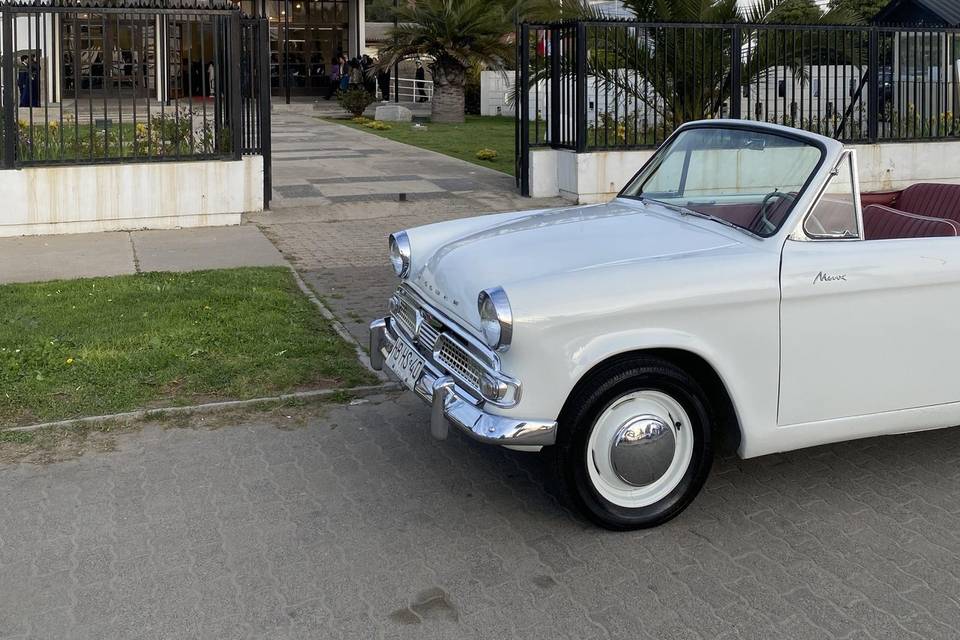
pixel 337 198
pixel 359 525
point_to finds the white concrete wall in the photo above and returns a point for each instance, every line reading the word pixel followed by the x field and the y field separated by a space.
pixel 110 197
pixel 494 91
pixel 598 177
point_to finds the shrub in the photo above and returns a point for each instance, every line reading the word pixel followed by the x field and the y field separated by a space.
pixel 487 154
pixel 355 100
pixel 376 125
pixel 361 120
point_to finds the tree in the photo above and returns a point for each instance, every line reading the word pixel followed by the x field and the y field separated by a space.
pixel 863 9
pixel 454 36
pixel 686 72
pixel 379 10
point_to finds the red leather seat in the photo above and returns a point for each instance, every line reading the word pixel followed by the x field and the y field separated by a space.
pixel 885 223
pixel 931 199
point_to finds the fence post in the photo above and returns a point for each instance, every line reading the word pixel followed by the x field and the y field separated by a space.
pixel 234 69
pixel 523 96
pixel 8 155
pixel 581 79
pixel 555 91
pixel 736 61
pixel 264 102
pixel 873 86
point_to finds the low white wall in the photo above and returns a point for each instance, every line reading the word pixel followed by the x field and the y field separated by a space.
pixel 112 197
pixel 598 177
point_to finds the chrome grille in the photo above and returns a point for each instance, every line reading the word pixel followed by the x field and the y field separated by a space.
pixel 434 342
pixel 407 316
pixel 428 336
pixel 456 360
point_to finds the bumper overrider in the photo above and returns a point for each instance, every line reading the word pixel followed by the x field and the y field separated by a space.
pixel 451 405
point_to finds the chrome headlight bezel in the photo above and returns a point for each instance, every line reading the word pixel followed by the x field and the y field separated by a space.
pixel 496 318
pixel 400 253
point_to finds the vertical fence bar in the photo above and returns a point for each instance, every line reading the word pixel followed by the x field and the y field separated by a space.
pixel 555 89
pixel 581 80
pixel 523 96
pixel 233 71
pixel 263 73
pixel 736 67
pixel 873 86
pixel 9 99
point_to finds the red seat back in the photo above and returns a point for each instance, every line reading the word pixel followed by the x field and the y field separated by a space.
pixel 931 199
pixel 884 223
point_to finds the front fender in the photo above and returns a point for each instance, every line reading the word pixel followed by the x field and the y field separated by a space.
pixel 551 364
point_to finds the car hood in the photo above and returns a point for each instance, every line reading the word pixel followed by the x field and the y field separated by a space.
pixel 552 242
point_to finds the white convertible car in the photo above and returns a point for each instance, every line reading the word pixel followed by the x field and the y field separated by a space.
pixel 740 289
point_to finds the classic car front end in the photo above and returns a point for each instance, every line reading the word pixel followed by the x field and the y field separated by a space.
pixel 628 338
pixel 452 370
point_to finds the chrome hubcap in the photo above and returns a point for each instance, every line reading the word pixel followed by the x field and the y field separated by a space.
pixel 642 450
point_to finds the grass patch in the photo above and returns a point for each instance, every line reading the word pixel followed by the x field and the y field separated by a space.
pixel 461 141
pixel 104 345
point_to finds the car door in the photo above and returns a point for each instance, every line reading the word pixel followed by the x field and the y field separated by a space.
pixel 867 326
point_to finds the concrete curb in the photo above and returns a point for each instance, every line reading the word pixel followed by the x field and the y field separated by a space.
pixel 337 325
pixel 210 407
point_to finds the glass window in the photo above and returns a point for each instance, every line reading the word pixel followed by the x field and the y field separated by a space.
pixel 836 216
pixel 744 178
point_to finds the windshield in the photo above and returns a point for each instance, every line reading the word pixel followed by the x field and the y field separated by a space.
pixel 746 179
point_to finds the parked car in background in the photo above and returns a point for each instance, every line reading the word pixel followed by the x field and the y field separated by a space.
pixel 739 290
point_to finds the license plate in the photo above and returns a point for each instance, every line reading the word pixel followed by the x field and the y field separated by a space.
pixel 406 363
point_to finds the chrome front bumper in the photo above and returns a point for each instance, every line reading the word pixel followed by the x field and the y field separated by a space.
pixel 449 405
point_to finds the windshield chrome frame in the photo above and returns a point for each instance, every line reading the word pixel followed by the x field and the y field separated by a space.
pixel 654 161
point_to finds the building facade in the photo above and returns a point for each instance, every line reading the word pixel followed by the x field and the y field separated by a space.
pixel 306 38
pixel 101 54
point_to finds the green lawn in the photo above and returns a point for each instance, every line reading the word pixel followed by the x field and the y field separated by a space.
pixel 457 140
pixel 103 345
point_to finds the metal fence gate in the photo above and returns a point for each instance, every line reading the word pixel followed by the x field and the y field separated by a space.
pixel 125 82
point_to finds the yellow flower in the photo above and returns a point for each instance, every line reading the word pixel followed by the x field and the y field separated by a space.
pixel 69 360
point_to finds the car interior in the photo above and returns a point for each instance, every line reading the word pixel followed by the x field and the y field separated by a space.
pixel 927 210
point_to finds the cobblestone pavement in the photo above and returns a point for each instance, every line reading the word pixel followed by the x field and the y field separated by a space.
pixel 336 198
pixel 358 525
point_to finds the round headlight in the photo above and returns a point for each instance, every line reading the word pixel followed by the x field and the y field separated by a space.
pixel 496 318
pixel 400 253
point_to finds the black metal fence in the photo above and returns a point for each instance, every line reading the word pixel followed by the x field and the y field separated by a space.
pixel 86 83
pixel 589 86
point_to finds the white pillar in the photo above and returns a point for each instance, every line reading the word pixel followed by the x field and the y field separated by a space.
pixel 357 17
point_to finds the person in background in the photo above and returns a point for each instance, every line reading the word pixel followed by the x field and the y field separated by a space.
pixel 356 73
pixel 334 77
pixel 383 81
pixel 421 84
pixel 344 74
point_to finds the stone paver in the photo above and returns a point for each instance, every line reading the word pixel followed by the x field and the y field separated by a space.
pixel 337 197
pixel 359 525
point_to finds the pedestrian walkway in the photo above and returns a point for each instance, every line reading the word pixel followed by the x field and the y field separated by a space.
pixel 56 257
pixel 339 192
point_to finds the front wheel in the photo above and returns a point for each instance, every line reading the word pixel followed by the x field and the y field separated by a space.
pixel 635 446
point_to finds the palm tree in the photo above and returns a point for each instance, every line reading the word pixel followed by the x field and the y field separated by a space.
pixel 456 35
pixel 685 73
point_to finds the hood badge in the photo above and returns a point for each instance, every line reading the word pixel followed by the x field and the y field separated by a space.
pixel 436 291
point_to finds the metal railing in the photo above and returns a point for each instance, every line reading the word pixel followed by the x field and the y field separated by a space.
pixel 120 83
pixel 590 86
pixel 413 90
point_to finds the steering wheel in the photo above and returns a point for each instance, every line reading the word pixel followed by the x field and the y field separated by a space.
pixel 769 227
